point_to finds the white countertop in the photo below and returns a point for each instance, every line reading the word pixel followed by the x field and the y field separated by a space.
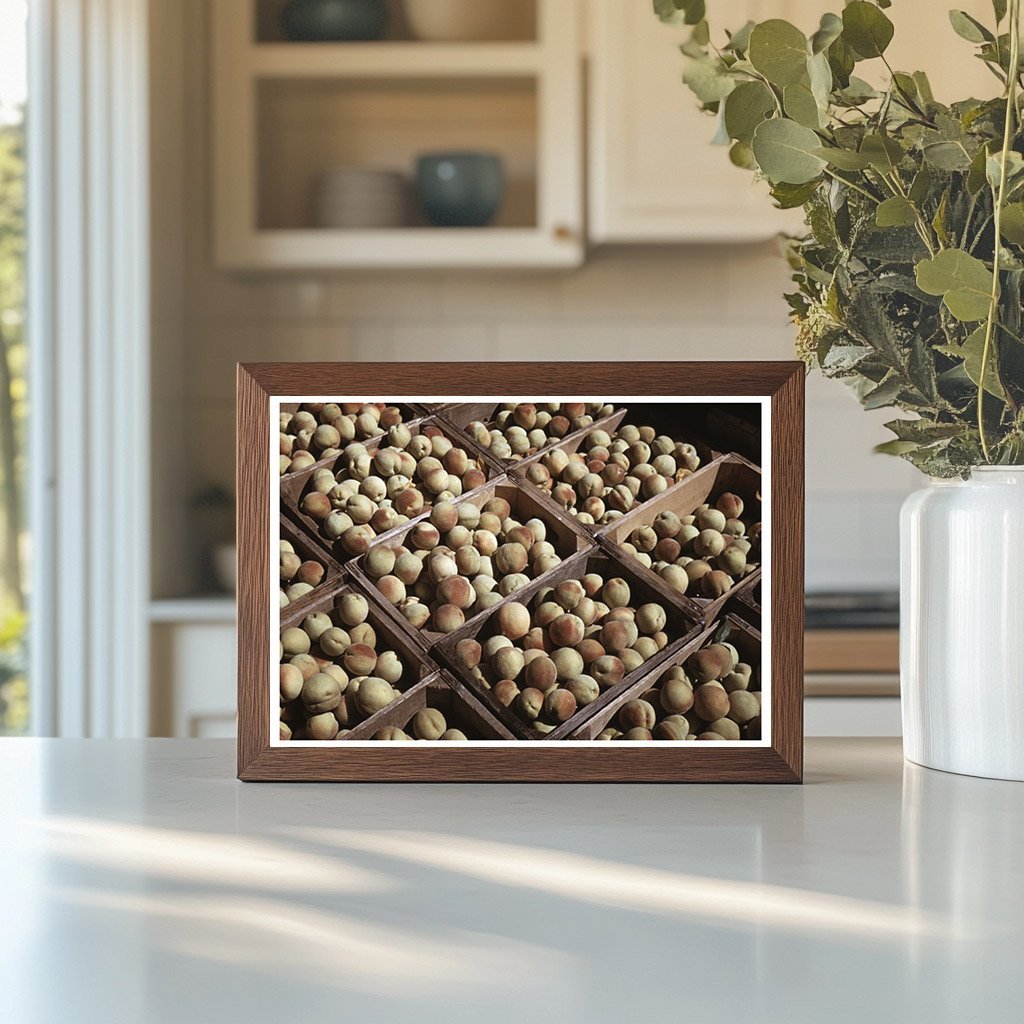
pixel 144 885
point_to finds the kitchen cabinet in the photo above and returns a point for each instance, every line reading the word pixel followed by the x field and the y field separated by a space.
pixel 653 175
pixel 286 113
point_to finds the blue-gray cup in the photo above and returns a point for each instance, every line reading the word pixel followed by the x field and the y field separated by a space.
pixel 334 20
pixel 460 189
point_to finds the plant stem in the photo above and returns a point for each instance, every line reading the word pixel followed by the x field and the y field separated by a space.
pixel 856 188
pixel 993 309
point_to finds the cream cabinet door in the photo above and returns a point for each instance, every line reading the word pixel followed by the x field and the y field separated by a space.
pixel 653 175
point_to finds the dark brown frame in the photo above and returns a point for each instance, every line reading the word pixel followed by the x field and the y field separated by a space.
pixel 783 382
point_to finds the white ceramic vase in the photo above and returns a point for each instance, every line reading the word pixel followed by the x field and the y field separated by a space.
pixel 962 624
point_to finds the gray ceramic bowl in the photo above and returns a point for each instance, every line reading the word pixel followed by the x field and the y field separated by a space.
pixel 334 20
pixel 460 189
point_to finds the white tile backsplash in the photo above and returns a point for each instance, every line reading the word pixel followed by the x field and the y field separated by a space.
pixel 718 303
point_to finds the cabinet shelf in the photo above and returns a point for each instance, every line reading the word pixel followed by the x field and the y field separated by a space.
pixel 392 60
pixel 310 248
pixel 285 114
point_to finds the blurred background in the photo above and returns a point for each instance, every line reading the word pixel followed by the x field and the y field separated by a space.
pixel 351 180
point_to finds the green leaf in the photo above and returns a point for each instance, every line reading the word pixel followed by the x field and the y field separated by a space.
pixel 820 77
pixel 841 60
pixel 1014 169
pixel 829 30
pixel 708 80
pixel 896 212
pixel 885 394
pixel 866 29
pixel 963 281
pixel 921 185
pixel 971 352
pixel 947 156
pixel 969 28
pixel 741 155
pixel 800 105
pixel 882 153
pixel 778 50
pixel 745 108
pixel 924 87
pixel 739 41
pixel 895 447
pixel 675 12
pixel 1012 224
pixel 785 152
pixel 976 173
pixel 844 159
pixel 999 6
pixel 922 431
pixel 789 197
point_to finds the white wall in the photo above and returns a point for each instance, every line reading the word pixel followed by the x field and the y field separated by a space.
pixel 654 303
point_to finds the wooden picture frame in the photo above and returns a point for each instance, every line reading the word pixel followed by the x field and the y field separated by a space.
pixel 777 386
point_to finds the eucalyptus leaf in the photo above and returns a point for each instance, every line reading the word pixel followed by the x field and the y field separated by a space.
pixel 844 159
pixel 947 156
pixel 969 28
pixel 883 153
pixel 741 155
pixel 789 197
pixel 895 212
pixel 675 12
pixel 963 281
pixel 708 81
pixel 894 447
pixel 999 7
pixel 745 108
pixel 829 30
pixel 739 40
pixel 842 61
pixel 1012 225
pixel 800 105
pixel 819 74
pixel 779 51
pixel 866 29
pixel 785 152
pixel 971 352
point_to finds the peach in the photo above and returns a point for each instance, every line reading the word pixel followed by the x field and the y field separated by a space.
pixel 559 705
pixel 448 618
pixel 569 593
pixel 710 701
pixel 541 673
pixel 468 652
pixel 513 620
pixel 528 704
pixel 618 635
pixel 566 631
pixel 676 696
pixel 607 670
pixel 636 714
pixel 456 590
pixel 505 691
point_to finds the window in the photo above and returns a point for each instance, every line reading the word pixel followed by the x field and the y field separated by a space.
pixel 14 697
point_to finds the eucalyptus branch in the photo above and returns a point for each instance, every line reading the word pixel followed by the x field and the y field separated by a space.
pixel 1000 198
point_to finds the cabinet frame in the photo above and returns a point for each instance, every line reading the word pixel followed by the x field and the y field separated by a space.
pixel 553 63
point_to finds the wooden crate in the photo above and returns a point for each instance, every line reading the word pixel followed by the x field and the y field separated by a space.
pixel 294 485
pixel 742 635
pixel 680 628
pixel 411 413
pixel 572 444
pixel 726 473
pixel 565 535
pixel 461 710
pixel 308 548
pixel 461 414
pixel 417 666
